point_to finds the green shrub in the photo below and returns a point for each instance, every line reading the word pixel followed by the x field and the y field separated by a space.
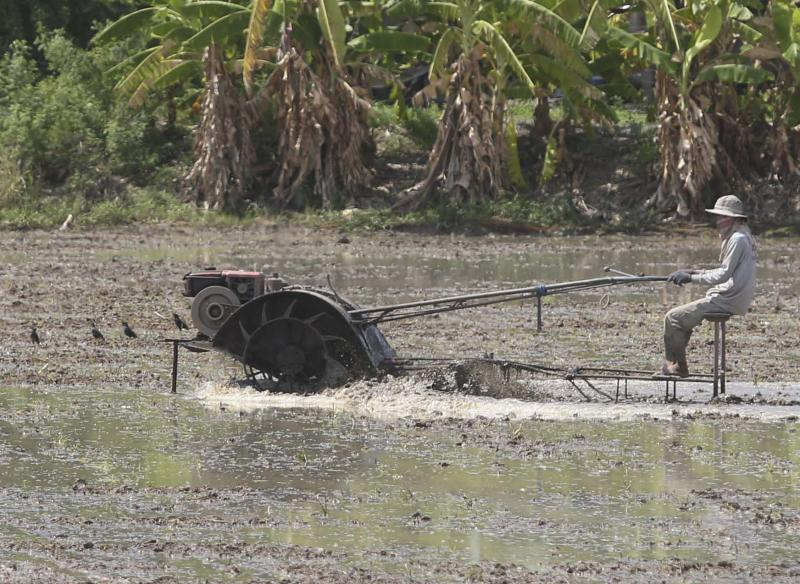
pixel 55 122
pixel 140 206
pixel 555 210
pixel 383 116
pixel 12 185
pixel 134 205
pixel 422 125
pixel 37 212
pixel 70 133
pixel 406 128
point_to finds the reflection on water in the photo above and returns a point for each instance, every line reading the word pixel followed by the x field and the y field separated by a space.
pixel 502 263
pixel 199 256
pixel 582 490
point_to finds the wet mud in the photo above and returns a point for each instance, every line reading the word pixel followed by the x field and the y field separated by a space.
pixel 63 282
pixel 453 474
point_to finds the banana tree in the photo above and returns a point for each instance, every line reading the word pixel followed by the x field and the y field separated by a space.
pixel 475 56
pixel 779 48
pixel 555 56
pixel 703 136
pixel 194 42
pixel 324 145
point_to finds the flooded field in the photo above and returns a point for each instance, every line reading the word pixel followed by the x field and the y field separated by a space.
pixel 106 476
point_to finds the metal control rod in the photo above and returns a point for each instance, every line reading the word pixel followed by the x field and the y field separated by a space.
pixel 439 305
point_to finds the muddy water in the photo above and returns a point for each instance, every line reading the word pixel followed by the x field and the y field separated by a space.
pixel 505 261
pixel 105 476
pixel 100 466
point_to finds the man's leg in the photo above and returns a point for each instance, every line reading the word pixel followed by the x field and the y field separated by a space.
pixel 678 325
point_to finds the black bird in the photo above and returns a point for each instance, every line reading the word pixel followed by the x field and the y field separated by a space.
pixel 34 336
pixel 128 330
pixel 176 318
pixel 97 334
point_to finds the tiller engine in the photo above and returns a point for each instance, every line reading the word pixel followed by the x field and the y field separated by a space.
pixel 289 335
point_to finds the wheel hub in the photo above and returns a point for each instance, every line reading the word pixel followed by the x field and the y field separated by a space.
pixel 291 360
pixel 211 307
pixel 287 348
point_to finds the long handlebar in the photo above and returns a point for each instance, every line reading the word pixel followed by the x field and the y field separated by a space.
pixel 423 307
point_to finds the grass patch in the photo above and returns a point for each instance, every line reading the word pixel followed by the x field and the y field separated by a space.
pixel 792 230
pixel 520 110
pixel 134 206
pixel 510 215
pixel 37 212
pixel 402 130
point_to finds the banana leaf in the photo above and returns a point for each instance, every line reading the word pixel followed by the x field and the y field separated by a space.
pixel 124 26
pixel 595 27
pixel 220 30
pixel 545 18
pixel 134 59
pixel 441 54
pixel 734 73
pixel 332 24
pixel 387 41
pixel 712 25
pixel 550 160
pixel 147 70
pixel 512 151
pixel 254 40
pixel 645 51
pixel 663 9
pixel 209 10
pixel 446 11
pixel 568 80
pixel 551 44
pixel 569 10
pixel 504 51
pixel 782 24
pixel 179 72
pixel 749 34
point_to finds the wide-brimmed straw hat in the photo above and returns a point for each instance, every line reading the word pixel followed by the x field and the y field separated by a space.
pixel 729 206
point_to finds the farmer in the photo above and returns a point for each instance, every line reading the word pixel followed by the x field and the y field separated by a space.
pixel 734 283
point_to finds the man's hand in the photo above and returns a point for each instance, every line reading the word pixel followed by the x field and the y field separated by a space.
pixel 679 278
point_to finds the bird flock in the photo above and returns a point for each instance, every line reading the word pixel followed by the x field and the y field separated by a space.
pixel 127 330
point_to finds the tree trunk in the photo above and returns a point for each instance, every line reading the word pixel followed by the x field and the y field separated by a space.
pixel 220 175
pixel 542 122
pixel 736 158
pixel 688 137
pixel 323 130
pixel 784 147
pixel 467 162
pixel 783 140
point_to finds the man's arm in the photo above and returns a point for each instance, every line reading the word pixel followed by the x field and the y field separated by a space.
pixel 729 262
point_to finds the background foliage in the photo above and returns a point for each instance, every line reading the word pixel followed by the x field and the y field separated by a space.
pixel 589 112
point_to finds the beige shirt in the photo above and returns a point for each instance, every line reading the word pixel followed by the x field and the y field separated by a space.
pixel 735 280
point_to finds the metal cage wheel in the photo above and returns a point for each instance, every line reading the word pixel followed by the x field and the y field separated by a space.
pixel 260 380
pixel 289 349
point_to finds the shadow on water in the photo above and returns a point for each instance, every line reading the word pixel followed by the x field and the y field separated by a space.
pixel 562 492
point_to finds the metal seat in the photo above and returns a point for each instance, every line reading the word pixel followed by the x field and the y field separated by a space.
pixel 719 319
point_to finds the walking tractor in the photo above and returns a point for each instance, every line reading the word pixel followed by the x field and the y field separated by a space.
pixel 296 338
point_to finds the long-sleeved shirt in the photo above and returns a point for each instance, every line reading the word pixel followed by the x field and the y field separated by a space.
pixel 735 280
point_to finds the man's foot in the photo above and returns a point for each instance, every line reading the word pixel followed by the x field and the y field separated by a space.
pixel 675 369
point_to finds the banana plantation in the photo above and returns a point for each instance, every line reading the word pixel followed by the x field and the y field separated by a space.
pixel 717 80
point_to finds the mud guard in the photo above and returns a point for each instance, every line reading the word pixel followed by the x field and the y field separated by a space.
pixel 323 313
